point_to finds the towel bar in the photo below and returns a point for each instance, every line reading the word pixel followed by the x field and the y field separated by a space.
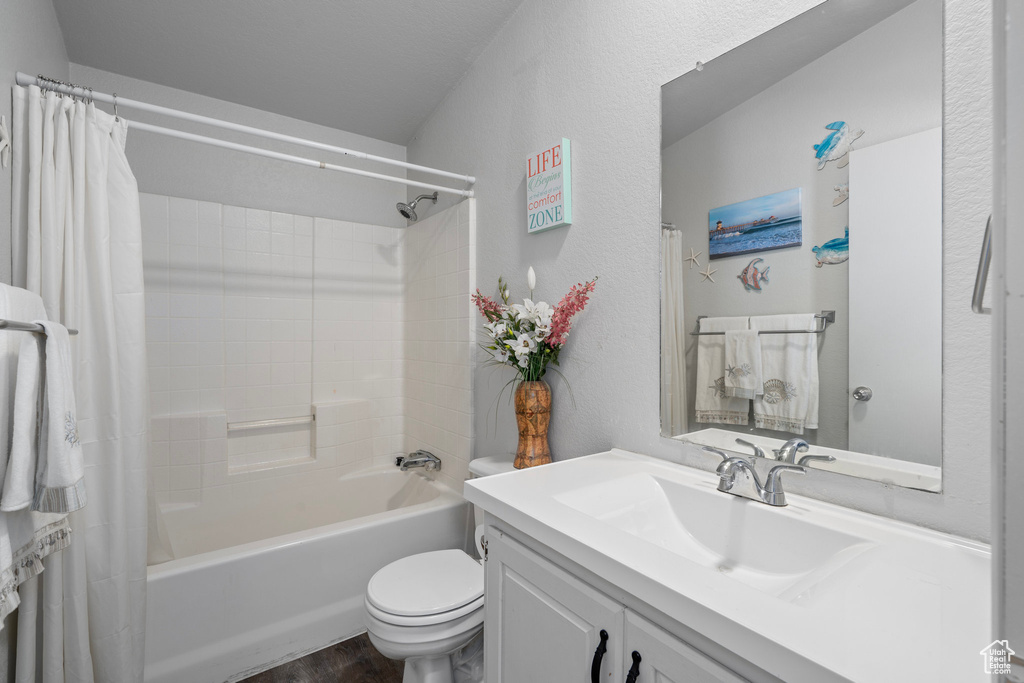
pixel 27 327
pixel 826 318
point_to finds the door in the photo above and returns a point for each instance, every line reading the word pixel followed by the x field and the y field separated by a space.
pixel 666 659
pixel 543 624
pixel 896 297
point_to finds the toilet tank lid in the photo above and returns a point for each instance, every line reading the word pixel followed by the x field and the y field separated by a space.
pixel 493 464
pixel 428 583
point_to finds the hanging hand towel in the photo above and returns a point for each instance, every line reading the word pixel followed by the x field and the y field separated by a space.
pixel 712 404
pixel 789 367
pixel 19 414
pixel 742 363
pixel 19 486
pixel 26 537
pixel 60 473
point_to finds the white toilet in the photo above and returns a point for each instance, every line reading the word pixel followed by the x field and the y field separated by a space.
pixel 428 609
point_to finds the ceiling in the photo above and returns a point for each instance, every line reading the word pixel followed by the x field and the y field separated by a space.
pixel 371 67
pixel 700 96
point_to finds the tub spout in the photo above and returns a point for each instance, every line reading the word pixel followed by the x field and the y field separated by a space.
pixel 420 458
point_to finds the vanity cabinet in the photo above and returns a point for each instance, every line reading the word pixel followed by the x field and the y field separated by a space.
pixel 544 624
pixel 667 659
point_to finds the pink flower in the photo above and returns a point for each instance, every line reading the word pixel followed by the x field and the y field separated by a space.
pixel 568 308
pixel 489 308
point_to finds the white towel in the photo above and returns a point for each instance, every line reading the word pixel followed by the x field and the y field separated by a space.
pixel 742 363
pixel 789 367
pixel 711 403
pixel 26 537
pixel 60 473
pixel 19 485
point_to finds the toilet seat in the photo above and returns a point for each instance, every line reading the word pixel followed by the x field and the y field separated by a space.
pixel 428 588
pixel 426 620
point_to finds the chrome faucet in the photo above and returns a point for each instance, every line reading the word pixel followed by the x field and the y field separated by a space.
pixel 420 458
pixel 789 450
pixel 805 459
pixel 758 451
pixel 737 476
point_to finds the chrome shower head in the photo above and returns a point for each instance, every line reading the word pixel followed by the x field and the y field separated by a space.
pixel 409 210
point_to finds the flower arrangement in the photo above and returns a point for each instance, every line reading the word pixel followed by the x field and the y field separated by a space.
pixel 529 336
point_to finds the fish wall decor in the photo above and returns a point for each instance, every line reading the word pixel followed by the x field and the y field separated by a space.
pixel 834 251
pixel 752 277
pixel 836 144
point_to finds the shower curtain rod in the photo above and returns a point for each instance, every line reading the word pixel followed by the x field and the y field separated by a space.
pixel 87 93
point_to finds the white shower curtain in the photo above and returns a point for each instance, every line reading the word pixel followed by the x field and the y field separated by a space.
pixel 77 242
pixel 673 335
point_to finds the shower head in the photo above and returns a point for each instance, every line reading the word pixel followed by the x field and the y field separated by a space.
pixel 409 210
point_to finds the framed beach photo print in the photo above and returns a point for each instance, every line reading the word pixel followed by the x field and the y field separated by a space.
pixel 774 221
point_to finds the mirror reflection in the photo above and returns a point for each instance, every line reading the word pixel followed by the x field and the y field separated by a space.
pixel 801 243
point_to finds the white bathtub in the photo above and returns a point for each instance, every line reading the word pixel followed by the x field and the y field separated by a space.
pixel 293 579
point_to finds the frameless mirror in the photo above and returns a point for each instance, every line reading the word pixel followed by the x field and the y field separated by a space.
pixel 802 177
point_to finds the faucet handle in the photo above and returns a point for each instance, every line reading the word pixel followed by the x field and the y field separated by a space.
pixel 712 449
pixel 758 451
pixel 774 495
pixel 815 458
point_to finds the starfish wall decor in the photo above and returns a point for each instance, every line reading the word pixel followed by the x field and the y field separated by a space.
pixel 692 258
pixel 707 273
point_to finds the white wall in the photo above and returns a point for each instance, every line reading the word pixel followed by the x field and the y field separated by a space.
pixel 257 315
pixel 177 168
pixel 593 73
pixel 886 81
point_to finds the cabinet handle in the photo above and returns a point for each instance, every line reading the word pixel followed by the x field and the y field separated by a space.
pixel 595 666
pixel 634 671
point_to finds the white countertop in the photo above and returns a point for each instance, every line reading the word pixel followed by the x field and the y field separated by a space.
pixel 914 606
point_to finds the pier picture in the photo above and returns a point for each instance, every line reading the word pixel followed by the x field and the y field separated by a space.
pixel 773 221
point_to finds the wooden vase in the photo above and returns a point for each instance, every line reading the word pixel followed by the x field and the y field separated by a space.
pixel 533 414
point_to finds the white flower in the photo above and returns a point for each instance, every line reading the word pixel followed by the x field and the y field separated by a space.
pixel 531 280
pixel 523 346
pixel 534 312
pixel 501 353
pixel 496 329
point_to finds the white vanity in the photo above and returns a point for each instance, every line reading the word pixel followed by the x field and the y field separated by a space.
pixel 708 586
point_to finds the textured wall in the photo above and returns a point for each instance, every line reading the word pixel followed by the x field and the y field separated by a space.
pixel 178 168
pixel 593 73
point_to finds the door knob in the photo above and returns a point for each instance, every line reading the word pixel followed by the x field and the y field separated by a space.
pixel 862 393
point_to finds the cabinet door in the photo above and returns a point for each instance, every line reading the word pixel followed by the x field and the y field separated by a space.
pixel 666 659
pixel 541 623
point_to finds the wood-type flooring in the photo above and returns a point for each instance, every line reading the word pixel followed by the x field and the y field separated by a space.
pixel 351 661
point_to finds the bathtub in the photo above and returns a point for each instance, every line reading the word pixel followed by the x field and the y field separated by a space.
pixel 248 586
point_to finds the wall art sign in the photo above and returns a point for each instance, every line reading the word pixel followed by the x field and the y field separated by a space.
pixel 774 221
pixel 549 188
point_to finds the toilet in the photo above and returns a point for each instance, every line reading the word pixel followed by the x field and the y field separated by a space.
pixel 428 609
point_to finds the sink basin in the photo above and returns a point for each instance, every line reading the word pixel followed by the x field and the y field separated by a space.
pixel 774 550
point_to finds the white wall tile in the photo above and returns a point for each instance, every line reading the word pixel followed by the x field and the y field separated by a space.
pixel 255 315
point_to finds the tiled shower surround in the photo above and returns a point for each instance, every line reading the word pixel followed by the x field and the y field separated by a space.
pixel 253 315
